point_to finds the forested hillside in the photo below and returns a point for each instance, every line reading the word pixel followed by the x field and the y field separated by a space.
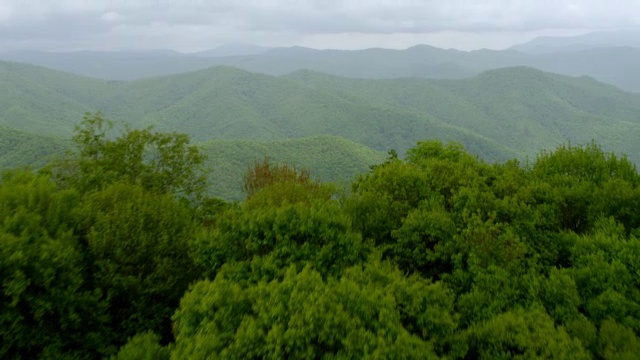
pixel 116 251
pixel 327 158
pixel 499 114
pixel 522 109
pixel 18 149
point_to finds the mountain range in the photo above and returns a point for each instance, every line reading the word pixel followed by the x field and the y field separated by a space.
pixel 610 57
pixel 498 114
pixel 626 37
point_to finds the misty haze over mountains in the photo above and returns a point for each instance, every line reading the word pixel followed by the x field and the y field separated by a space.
pixel 599 39
pixel 608 56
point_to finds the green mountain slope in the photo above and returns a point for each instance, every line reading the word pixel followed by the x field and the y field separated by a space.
pixel 521 108
pixel 549 109
pixel 19 149
pixel 228 103
pixel 497 115
pixel 34 99
pixel 328 158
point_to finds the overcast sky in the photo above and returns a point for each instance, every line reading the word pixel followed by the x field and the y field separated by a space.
pixel 192 25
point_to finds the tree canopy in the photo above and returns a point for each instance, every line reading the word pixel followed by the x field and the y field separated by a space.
pixel 107 254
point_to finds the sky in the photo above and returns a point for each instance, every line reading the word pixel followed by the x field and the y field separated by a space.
pixel 194 25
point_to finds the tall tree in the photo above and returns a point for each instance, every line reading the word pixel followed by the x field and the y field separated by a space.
pixel 158 162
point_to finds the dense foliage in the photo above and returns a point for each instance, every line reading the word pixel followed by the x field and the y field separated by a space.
pixel 109 254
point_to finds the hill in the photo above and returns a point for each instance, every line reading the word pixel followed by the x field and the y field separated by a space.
pixel 328 158
pixel 43 101
pixel 522 109
pixel 18 149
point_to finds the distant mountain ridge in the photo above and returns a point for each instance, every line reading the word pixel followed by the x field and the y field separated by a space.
pixel 233 49
pixel 596 39
pixel 613 64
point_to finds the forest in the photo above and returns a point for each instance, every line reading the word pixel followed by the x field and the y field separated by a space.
pixel 334 126
pixel 117 250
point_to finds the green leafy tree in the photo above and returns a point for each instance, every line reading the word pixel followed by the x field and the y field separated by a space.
pixel 561 297
pixel 46 308
pixel 136 242
pixel 382 198
pixel 144 346
pixel 158 162
pixel 287 219
pixel 425 240
pixel 617 342
pixel 264 174
pixel 373 312
pixel 579 173
pixel 523 334
pixel 619 199
pixel 264 241
pixel 604 268
pixel 448 168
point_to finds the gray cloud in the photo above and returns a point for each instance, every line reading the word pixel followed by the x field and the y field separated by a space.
pixel 192 24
